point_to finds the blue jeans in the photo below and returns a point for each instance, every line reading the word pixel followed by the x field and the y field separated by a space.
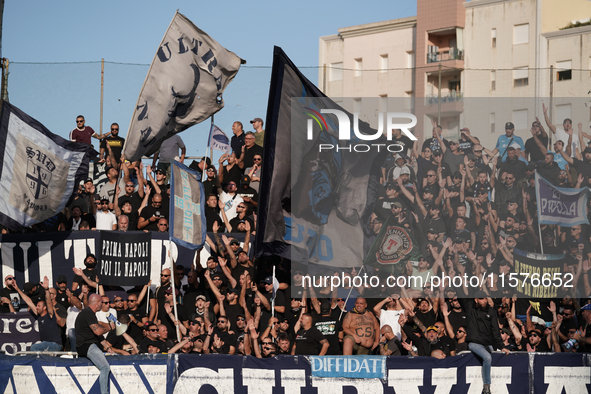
pixel 72 338
pixel 481 352
pixel 99 360
pixel 46 346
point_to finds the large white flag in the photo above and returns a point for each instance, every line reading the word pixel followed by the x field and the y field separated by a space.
pixel 183 87
pixel 219 140
pixel 39 171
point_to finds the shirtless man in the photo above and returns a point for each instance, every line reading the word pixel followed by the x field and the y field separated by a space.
pixel 361 330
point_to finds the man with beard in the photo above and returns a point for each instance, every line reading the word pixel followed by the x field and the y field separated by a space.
pixel 87 276
pixel 427 343
pixel 582 166
pixel 512 164
pixel 531 147
pixel 482 333
pixel 361 330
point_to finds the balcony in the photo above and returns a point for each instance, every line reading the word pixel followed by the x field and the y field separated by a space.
pixel 432 99
pixel 435 56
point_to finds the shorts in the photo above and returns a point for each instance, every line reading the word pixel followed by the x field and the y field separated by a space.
pixel 357 348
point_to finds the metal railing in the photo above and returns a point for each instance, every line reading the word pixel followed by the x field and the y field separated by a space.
pixel 47 353
pixel 432 99
pixel 440 56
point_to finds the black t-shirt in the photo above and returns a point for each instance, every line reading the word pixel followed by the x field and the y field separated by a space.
pixel 535 153
pixel 248 192
pixel 116 144
pixel 182 315
pixel 150 211
pixel 62 298
pixel 90 274
pixel 134 199
pixel 308 342
pixel 457 319
pixel 406 142
pixel 232 175
pixel 330 327
pixel 236 221
pixel 212 216
pixel 137 292
pixel 249 154
pixel 428 319
pixel 138 314
pixel 145 343
pixel 48 329
pixel 84 335
pixel 236 143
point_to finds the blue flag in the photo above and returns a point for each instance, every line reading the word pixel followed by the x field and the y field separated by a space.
pixel 187 207
pixel 39 171
pixel 562 206
pixel 218 140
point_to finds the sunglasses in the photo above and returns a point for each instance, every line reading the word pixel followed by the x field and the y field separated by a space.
pixel 193 324
pixel 241 319
pixel 257 159
pixel 267 343
pixel 130 185
pixel 164 276
pixel 114 129
pixel 9 278
pixel 130 300
pixel 154 329
pixel 119 300
pixel 106 302
pixel 533 335
pixel 222 321
pixel 79 121
pixel 463 332
pixel 477 151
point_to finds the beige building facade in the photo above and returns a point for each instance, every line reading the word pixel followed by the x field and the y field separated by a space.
pixel 494 56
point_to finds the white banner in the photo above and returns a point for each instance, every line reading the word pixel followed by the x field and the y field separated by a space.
pixel 183 87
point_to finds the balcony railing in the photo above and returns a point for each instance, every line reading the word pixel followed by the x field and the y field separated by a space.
pixel 431 99
pixel 452 54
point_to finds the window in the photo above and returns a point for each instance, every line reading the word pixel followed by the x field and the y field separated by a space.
pixel 520 119
pixel 521 34
pixel 383 63
pixel 493 80
pixel 492 122
pixel 358 67
pixel 564 70
pixel 410 59
pixel 520 76
pixel 335 72
pixel 493 36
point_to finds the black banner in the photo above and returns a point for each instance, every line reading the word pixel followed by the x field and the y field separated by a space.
pixel 19 332
pixel 125 258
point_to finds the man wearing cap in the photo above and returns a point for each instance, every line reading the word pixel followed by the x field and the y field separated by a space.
pixel 504 141
pixel 467 141
pixel 330 327
pixel 583 335
pixel 505 192
pixel 482 333
pixel 259 132
pixel 250 148
pixel 151 338
pixel 531 147
pixel 62 291
pixel 151 214
pixel 248 194
pixel 429 342
pixel 434 142
pixel 453 156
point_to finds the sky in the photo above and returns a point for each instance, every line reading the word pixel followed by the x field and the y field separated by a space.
pixel 78 34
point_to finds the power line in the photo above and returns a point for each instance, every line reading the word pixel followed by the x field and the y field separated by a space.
pixel 319 67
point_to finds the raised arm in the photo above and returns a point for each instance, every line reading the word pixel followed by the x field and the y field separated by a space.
pixel 548 121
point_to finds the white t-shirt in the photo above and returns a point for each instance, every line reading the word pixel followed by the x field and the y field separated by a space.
pixel 72 315
pixel 562 136
pixel 230 204
pixel 102 316
pixel 390 318
pixel 105 220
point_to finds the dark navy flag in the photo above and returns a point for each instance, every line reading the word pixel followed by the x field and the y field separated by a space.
pixel 562 206
pixel 125 258
pixel 184 86
pixel 39 171
pixel 314 201
pixel 187 208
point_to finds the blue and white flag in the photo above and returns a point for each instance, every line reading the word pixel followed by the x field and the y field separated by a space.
pixel 218 140
pixel 187 208
pixel 39 171
pixel 183 87
pixel 563 206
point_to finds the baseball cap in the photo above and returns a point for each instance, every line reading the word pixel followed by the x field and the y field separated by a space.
pixel 256 120
pixel 404 170
pixel 471 156
pixel 233 290
pixel 509 125
pixel 586 307
pixel 268 280
pixel 432 230
pixel 398 157
pixel 234 242
pixel 515 145
pixel 437 152
pixel 431 328
pixel 480 294
pixel 61 279
pixel 88 180
pixel 396 204
pixel 200 297
pixel 244 180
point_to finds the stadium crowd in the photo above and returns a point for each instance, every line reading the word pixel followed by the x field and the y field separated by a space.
pixel 467 206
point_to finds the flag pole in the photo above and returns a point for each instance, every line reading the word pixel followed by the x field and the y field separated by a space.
pixel 274 291
pixel 172 265
pixel 351 289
